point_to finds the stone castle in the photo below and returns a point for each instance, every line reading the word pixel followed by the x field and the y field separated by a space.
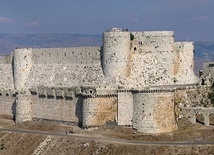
pixel 140 79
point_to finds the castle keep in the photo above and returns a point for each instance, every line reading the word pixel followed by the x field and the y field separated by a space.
pixel 141 79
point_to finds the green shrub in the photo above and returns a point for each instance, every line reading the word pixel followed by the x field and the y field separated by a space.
pixel 131 36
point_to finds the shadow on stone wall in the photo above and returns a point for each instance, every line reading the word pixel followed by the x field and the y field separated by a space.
pixel 79 111
pixel 101 58
pixel 13 109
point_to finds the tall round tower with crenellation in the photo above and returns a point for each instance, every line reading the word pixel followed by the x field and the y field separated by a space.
pixel 116 53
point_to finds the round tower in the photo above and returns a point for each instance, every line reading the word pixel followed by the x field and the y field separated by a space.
pixel 116 53
pixel 23 108
pixel 22 63
pixel 153 112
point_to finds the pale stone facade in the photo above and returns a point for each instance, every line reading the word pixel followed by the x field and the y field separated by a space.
pixel 132 79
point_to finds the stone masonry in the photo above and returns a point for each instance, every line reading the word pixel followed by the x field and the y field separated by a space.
pixel 140 79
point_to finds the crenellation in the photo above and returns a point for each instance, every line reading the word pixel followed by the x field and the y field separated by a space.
pixel 140 79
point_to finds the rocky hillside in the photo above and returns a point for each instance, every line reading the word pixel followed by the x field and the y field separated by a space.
pixel 50 138
pixel 204 51
pixel 8 41
pixel 26 144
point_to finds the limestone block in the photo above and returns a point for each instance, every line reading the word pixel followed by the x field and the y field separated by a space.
pixel 49 92
pixel 41 91
pixel 59 93
pixel 69 93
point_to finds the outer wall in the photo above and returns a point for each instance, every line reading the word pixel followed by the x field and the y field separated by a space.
pixel 125 108
pixel 154 112
pixel 60 110
pixel 98 111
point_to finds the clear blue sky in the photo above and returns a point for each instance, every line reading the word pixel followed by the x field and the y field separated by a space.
pixel 190 19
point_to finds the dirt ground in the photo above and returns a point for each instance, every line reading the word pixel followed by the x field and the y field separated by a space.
pixel 21 143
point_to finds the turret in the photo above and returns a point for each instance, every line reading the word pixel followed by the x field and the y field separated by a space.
pixel 22 63
pixel 185 63
pixel 116 53
pixel 153 111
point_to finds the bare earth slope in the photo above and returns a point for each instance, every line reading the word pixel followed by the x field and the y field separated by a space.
pixel 49 138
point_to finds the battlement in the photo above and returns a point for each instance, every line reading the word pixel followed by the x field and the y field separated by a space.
pixel 131 79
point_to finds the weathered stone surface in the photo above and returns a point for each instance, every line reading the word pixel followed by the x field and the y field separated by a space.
pixel 191 112
pixel 154 112
pixel 6 73
pixel 135 78
pixel 125 108
pixel 57 109
pixel 98 111
pixel 23 108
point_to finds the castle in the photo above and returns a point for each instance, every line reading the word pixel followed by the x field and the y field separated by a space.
pixel 140 79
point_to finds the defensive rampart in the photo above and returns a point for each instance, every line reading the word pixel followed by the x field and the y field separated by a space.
pixel 56 104
pixel 154 111
pixel 141 79
pixel 115 54
pixel 58 67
